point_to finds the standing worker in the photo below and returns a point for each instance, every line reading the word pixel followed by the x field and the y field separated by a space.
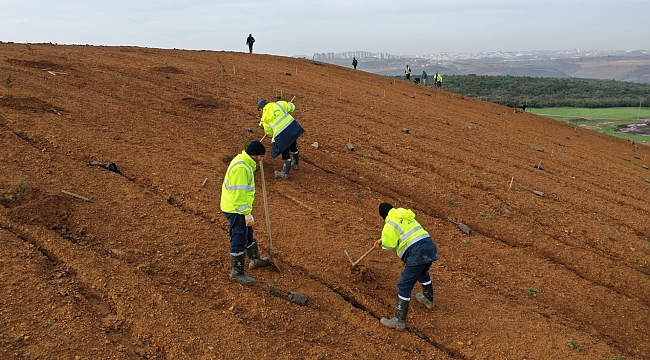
pixel 284 131
pixel 407 71
pixel 249 41
pixel 354 62
pixel 438 80
pixel 424 78
pixel 237 196
pixel 417 250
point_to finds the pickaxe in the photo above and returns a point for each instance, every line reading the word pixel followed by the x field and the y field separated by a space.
pixel 355 263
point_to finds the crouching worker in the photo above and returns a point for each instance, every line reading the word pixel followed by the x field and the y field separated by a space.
pixel 284 131
pixel 417 250
pixel 237 196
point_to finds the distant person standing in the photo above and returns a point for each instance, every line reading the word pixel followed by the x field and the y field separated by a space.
pixel 407 71
pixel 424 78
pixel 249 41
pixel 354 62
pixel 438 81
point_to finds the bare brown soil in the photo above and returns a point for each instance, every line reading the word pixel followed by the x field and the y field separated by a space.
pixel 136 264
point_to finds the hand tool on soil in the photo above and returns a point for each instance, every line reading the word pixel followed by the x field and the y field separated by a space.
pixel 268 219
pixel 355 263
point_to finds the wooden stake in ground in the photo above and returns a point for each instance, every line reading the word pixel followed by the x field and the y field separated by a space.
pixel 75 195
pixel 268 219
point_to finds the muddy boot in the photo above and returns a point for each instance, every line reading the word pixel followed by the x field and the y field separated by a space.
pixel 237 273
pixel 399 321
pixel 426 297
pixel 253 253
pixel 286 167
pixel 296 158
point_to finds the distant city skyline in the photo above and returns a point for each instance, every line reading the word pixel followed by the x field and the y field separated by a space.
pixel 308 27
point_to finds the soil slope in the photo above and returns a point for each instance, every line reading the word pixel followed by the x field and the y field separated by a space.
pixel 96 264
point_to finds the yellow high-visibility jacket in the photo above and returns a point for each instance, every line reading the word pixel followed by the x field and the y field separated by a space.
pixel 238 188
pixel 276 117
pixel 401 231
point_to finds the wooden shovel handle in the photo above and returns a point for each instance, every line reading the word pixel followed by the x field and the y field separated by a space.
pixel 268 219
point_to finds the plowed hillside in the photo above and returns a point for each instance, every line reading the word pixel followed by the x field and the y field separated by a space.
pixel 96 264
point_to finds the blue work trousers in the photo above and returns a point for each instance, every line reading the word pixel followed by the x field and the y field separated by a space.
pixel 241 236
pixel 411 275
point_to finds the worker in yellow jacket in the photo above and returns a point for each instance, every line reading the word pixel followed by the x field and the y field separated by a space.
pixel 417 250
pixel 284 131
pixel 237 196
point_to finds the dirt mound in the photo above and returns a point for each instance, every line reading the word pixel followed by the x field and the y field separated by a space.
pixel 97 264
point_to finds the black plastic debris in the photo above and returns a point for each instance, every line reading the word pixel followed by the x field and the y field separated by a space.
pixel 108 166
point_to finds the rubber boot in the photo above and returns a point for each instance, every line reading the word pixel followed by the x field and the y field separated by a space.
pixel 286 167
pixel 426 297
pixel 399 321
pixel 237 273
pixel 253 253
pixel 296 158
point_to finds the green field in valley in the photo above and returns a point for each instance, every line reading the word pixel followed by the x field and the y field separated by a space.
pixel 606 120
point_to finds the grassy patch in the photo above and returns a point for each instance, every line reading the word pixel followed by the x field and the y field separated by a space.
pixel 270 288
pixel 594 113
pixel 31 50
pixel 532 292
pixel 573 345
pixel 247 140
pixel 22 189
pixel 487 216
pixel 605 120
pixel 361 194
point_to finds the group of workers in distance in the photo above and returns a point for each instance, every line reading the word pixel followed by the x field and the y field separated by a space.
pixel 401 232
pixel 437 78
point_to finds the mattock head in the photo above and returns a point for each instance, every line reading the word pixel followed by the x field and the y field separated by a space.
pixel 348 256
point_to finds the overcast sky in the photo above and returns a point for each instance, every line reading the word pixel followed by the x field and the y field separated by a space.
pixel 296 27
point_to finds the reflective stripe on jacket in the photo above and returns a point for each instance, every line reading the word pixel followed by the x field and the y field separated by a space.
pixel 276 117
pixel 238 188
pixel 401 231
